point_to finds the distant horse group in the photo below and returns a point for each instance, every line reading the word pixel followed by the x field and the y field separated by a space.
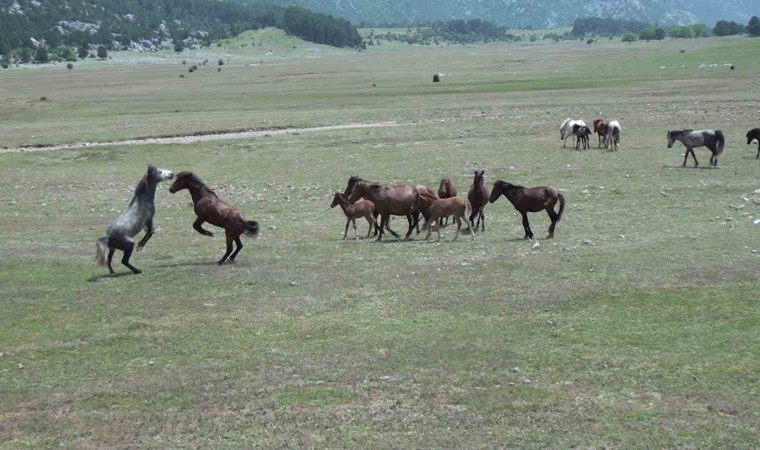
pixel 608 132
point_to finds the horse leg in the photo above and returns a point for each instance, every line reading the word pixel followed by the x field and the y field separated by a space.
pixel 693 155
pixel 383 225
pixel 239 245
pixel 111 251
pixel 345 233
pixel 129 246
pixel 758 149
pixel 475 214
pixel 229 247
pixel 468 222
pixel 356 233
pixel 372 224
pixel 459 226
pixel 148 234
pixel 375 215
pixel 482 219
pixel 197 227
pixel 554 217
pixel 526 225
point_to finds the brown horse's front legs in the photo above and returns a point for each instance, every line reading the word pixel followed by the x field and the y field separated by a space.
pixel 526 225
pixel 148 234
pixel 197 226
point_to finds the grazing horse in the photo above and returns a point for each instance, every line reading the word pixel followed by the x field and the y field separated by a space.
pixel 613 134
pixel 362 208
pixel 478 197
pixel 601 127
pixel 582 134
pixel 436 208
pixel 527 200
pixel 138 216
pixel 712 139
pixel 413 218
pixel 210 208
pixel 446 189
pixel 754 134
pixel 566 130
pixel 396 201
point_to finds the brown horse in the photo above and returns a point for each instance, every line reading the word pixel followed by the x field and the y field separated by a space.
pixel 395 201
pixel 478 197
pixel 436 208
pixel 527 200
pixel 754 135
pixel 353 211
pixel 209 208
pixel 446 189
pixel 582 134
pixel 601 127
pixel 413 218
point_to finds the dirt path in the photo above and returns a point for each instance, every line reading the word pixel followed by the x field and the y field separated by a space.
pixel 194 138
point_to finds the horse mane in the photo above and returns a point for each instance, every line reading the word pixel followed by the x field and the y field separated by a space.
pixel 508 185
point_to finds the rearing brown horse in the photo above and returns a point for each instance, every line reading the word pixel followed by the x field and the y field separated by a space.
pixel 395 201
pixel 209 208
pixel 527 200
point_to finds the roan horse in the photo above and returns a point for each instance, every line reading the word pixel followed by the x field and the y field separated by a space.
pixel 582 134
pixel 209 208
pixel 712 139
pixel 353 211
pixel 754 134
pixel 613 135
pixel 601 127
pixel 436 208
pixel 478 197
pixel 527 200
pixel 138 216
pixel 566 130
pixel 396 201
pixel 446 189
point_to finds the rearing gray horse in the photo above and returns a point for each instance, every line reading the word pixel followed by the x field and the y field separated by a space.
pixel 712 139
pixel 138 216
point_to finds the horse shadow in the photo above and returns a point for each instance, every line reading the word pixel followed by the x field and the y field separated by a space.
pixel 96 278
pixel 667 166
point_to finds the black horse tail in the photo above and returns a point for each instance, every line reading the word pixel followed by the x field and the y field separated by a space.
pixel 561 205
pixel 251 228
pixel 721 141
pixel 101 248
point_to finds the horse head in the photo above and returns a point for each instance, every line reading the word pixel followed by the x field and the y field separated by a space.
pixel 157 175
pixel 336 200
pixel 499 188
pixel 185 180
pixel 672 136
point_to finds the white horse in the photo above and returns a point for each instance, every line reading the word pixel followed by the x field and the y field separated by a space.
pixel 613 134
pixel 566 130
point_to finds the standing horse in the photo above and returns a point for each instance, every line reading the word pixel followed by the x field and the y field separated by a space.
pixel 566 130
pixel 362 208
pixel 413 218
pixel 527 200
pixel 446 189
pixel 396 201
pixel 712 139
pixel 436 208
pixel 601 127
pixel 582 134
pixel 613 134
pixel 209 208
pixel 138 216
pixel 754 134
pixel 478 197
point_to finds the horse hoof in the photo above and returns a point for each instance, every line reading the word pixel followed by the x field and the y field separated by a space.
pixel 139 248
pixel 137 272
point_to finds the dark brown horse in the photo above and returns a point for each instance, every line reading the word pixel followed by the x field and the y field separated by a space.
pixel 527 200
pixel 413 218
pixel 601 127
pixel 209 208
pixel 446 189
pixel 754 134
pixel 395 201
pixel 478 197
pixel 353 211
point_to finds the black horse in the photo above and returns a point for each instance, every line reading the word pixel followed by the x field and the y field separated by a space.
pixel 527 200
pixel 754 135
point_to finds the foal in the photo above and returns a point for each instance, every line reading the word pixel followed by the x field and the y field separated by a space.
pixel 435 208
pixel 446 189
pixel 478 197
pixel 527 200
pixel 362 208
pixel 138 215
pixel 754 134
pixel 582 134
pixel 209 208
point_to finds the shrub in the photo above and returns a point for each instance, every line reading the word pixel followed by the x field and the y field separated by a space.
pixel 629 37
pixel 69 66
pixel 102 52
pixel 221 62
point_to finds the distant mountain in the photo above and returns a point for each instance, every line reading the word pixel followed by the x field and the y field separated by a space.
pixel 536 13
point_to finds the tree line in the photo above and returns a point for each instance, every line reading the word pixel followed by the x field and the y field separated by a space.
pixel 636 30
pixel 58 25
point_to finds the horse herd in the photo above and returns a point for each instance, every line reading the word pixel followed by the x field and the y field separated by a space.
pixel 372 200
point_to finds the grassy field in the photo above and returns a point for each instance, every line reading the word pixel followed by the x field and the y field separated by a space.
pixel 634 328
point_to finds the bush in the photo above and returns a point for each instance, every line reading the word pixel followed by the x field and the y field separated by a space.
pixel 589 42
pixel 221 62
pixel 69 66
pixel 41 57
pixel 83 52
pixel 753 27
pixel 102 52
pixel 629 37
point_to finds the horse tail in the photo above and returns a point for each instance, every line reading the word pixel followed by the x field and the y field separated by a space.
pixel 101 247
pixel 561 205
pixel 721 141
pixel 251 228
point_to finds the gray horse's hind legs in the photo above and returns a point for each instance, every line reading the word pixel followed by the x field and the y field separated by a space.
pixel 128 248
pixel 111 251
